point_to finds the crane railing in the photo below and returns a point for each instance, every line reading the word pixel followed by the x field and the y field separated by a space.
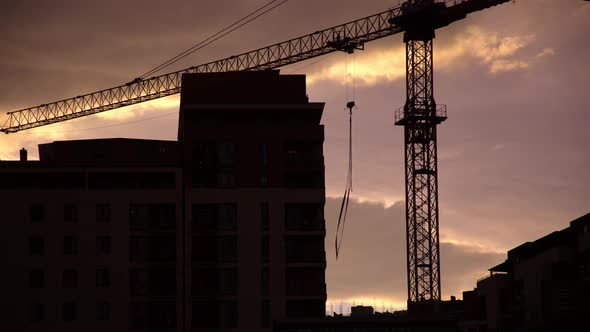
pixel 345 37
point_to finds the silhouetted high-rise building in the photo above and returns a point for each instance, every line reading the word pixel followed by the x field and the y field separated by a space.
pixel 544 285
pixel 221 229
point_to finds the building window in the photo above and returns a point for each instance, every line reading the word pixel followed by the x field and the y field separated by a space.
pixel 265 248
pixel 36 278
pixel 152 282
pixel 226 153
pixel 37 213
pixel 265 281
pixel 305 249
pixel 69 311
pixel 264 154
pixel 264 166
pixel 306 308
pixel 303 153
pixel 304 179
pixel 70 245
pixel 138 282
pixel 226 180
pixel 152 249
pixel 214 216
pixel 215 282
pixel 264 180
pixel 227 216
pixel 137 216
pixel 103 311
pixel 103 277
pixel 265 310
pixel 71 213
pixel 215 314
pixel 208 249
pixel 36 312
pixel 36 246
pixel 264 216
pixel 69 278
pixel 305 282
pixel 103 213
pixel 152 315
pixel 304 216
pixel 152 216
pixel 103 245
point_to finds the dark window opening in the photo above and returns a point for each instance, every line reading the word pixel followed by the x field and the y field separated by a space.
pixel 226 154
pixel 215 314
pixel 207 249
pixel 103 213
pixel 156 217
pixel 265 281
pixel 305 282
pixel 37 279
pixel 211 281
pixel 130 181
pixel 103 311
pixel 69 278
pixel 152 282
pixel 37 213
pixel 264 216
pixel 71 213
pixel 152 315
pixel 313 179
pixel 152 249
pixel 302 249
pixel 36 246
pixel 303 153
pixel 103 277
pixel 70 245
pixel 265 248
pixel 103 245
pixel 214 217
pixel 36 312
pixel 304 216
pixel 69 311
pixel 306 308
pixel 265 311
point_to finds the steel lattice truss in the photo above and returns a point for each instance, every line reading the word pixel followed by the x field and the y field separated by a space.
pixel 420 116
pixel 345 37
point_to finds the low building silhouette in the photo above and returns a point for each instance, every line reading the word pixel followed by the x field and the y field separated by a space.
pixel 543 285
pixel 220 230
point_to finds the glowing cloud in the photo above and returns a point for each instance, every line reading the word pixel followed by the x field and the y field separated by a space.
pixel 497 53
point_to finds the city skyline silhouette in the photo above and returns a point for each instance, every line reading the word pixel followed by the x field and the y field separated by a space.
pixel 512 154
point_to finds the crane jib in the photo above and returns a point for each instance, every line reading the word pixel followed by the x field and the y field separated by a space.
pixel 345 37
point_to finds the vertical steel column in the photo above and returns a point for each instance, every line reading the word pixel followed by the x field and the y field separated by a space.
pixel 420 116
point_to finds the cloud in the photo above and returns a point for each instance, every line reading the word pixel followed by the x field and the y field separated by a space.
pixel 545 52
pixel 367 68
pixel 473 44
pixel 372 265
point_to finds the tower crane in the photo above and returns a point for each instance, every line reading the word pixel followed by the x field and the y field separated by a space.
pixel 418 20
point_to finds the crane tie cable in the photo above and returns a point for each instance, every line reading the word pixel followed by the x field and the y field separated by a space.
pixel 346 198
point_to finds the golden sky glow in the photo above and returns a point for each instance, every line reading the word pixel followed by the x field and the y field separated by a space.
pixel 499 53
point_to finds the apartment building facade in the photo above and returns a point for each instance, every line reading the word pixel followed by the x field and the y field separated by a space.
pixel 222 229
